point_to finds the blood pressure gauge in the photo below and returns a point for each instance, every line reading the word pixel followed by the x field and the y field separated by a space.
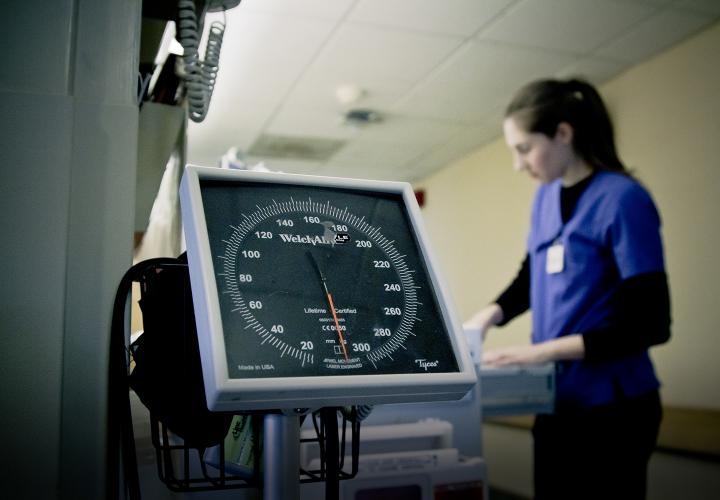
pixel 316 291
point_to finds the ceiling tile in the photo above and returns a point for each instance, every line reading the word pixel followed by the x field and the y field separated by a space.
pixel 468 140
pixel 707 6
pixel 657 3
pixel 382 173
pixel 477 79
pixel 376 155
pixel 654 35
pixel 318 85
pixel 323 9
pixel 268 43
pixel 455 17
pixel 362 50
pixel 443 101
pixel 311 121
pixel 410 130
pixel 230 108
pixel 593 69
pixel 576 26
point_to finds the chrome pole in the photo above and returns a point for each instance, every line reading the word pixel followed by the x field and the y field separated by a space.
pixel 281 457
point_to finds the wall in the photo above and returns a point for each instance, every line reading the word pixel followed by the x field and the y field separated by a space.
pixel 667 115
pixel 69 134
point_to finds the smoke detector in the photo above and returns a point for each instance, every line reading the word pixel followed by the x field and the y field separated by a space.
pixel 349 94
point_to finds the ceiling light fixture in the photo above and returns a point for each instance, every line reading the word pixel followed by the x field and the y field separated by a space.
pixel 359 117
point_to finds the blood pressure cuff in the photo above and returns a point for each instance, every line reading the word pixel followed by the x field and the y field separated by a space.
pixel 167 376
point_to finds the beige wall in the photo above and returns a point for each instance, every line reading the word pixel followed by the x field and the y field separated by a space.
pixel 667 117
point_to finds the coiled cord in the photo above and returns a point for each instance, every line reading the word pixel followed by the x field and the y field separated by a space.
pixel 199 75
pixel 361 412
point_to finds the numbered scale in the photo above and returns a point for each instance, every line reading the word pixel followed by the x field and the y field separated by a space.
pixel 316 291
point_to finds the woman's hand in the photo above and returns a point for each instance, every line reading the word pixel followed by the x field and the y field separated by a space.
pixel 516 355
pixel 563 348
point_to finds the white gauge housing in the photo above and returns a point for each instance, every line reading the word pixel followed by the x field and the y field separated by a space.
pixel 403 341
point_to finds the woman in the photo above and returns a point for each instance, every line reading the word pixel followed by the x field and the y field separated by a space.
pixel 595 281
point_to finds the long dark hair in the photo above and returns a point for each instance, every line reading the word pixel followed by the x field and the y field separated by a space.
pixel 542 105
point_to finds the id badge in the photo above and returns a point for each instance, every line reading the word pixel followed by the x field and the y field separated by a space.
pixel 555 259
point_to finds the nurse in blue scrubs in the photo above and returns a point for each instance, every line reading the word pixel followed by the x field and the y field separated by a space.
pixel 594 279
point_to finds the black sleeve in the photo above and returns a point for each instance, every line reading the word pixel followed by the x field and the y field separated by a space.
pixel 643 319
pixel 515 300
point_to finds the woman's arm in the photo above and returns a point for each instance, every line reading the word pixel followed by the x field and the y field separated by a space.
pixel 515 299
pixel 512 302
pixel 643 320
pixel 487 317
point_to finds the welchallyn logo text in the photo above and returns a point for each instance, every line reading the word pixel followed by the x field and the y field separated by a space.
pixel 315 240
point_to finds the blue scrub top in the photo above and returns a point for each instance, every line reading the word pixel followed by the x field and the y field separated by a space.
pixel 613 234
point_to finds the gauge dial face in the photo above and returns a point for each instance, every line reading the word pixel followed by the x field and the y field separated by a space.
pixel 315 281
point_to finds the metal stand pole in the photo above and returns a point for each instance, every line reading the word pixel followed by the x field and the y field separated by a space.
pixel 332 482
pixel 281 457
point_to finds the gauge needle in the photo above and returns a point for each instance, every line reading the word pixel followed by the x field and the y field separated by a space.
pixel 332 306
pixel 337 324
